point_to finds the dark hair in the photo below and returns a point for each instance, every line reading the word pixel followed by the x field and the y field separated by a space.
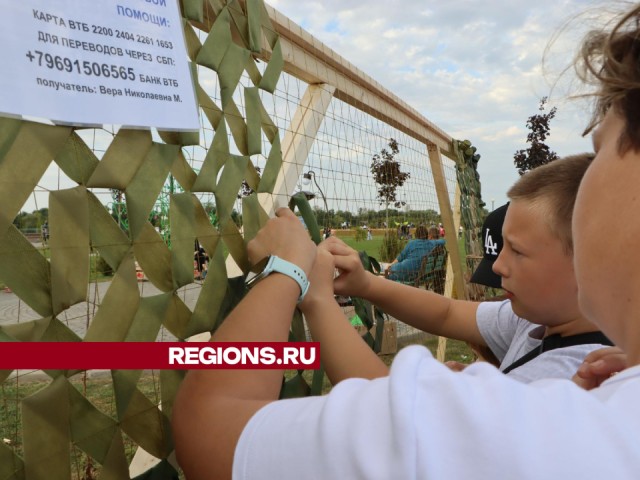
pixel 611 62
pixel 554 187
pixel 421 232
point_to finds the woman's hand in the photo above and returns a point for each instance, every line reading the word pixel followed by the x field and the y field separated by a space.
pixel 285 237
pixel 320 281
pixel 600 365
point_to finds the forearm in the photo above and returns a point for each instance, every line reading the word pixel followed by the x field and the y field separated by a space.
pixel 258 318
pixel 344 354
pixel 213 406
pixel 425 310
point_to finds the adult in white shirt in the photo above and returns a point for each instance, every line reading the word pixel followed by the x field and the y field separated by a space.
pixel 424 421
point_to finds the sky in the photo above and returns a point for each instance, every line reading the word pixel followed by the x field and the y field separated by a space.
pixel 474 68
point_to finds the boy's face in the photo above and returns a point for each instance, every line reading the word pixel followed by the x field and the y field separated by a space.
pixel 537 274
pixel 606 234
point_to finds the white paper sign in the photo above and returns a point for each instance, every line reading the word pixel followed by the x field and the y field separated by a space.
pixel 95 62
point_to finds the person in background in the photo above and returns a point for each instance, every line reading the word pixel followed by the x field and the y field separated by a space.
pixel 200 260
pixel 406 267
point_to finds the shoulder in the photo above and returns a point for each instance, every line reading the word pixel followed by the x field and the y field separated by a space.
pixel 556 363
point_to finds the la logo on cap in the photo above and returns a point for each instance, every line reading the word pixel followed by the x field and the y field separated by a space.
pixel 490 247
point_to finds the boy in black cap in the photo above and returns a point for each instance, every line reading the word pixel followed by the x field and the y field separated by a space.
pixel 538 331
pixel 492 245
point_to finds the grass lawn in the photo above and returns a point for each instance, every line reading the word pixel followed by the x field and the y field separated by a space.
pixel 372 247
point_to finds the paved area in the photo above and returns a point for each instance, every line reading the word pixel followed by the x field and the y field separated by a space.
pixel 78 317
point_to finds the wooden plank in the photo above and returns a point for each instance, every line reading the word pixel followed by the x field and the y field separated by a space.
pixel 451 236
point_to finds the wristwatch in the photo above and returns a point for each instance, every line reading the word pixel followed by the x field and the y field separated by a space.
pixel 271 264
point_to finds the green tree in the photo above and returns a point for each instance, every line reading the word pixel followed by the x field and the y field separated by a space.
pixel 538 153
pixel 388 177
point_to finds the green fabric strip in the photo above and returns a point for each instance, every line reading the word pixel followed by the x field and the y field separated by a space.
pixel 227 188
pixel 236 291
pixel 122 159
pixel 239 23
pixel 154 257
pixel 31 331
pixel 147 426
pixel 69 226
pixel 254 131
pixel 25 271
pixel 252 176
pixel 269 128
pixel 217 6
pixel 106 236
pixel 254 73
pixel 124 385
pixel 144 189
pixel 209 108
pixel 177 317
pixel 183 234
pixel 230 71
pixel 182 172
pixel 149 318
pixel 254 17
pixel 169 382
pixel 25 161
pixel 11 465
pixel 235 243
pixel 207 235
pixel 115 466
pixel 46 432
pixel 193 9
pixel 218 41
pixel 254 217
pixel 91 430
pixel 191 40
pixel 211 295
pixel 214 161
pixel 274 69
pixel 118 308
pixel 238 126
pixel 300 201
pixel 77 160
pixel 9 129
pixel 272 167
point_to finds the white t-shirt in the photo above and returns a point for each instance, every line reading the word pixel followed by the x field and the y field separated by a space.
pixel 426 422
pixel 510 337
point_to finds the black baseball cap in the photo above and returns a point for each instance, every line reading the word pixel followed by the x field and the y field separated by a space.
pixel 492 245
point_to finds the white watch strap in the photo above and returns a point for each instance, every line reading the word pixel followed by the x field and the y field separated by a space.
pixel 276 264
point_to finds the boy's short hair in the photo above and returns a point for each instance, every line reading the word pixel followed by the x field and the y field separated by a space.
pixel 434 232
pixel 611 62
pixel 553 188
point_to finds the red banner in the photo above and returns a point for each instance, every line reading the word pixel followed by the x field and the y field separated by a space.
pixel 158 355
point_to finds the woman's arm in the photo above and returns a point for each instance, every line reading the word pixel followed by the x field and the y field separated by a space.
pixel 344 354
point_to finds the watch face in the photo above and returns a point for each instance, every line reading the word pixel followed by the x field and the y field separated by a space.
pixel 256 272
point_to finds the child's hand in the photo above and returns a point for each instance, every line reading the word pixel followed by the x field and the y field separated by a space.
pixel 456 366
pixel 320 281
pixel 285 237
pixel 353 279
pixel 600 365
